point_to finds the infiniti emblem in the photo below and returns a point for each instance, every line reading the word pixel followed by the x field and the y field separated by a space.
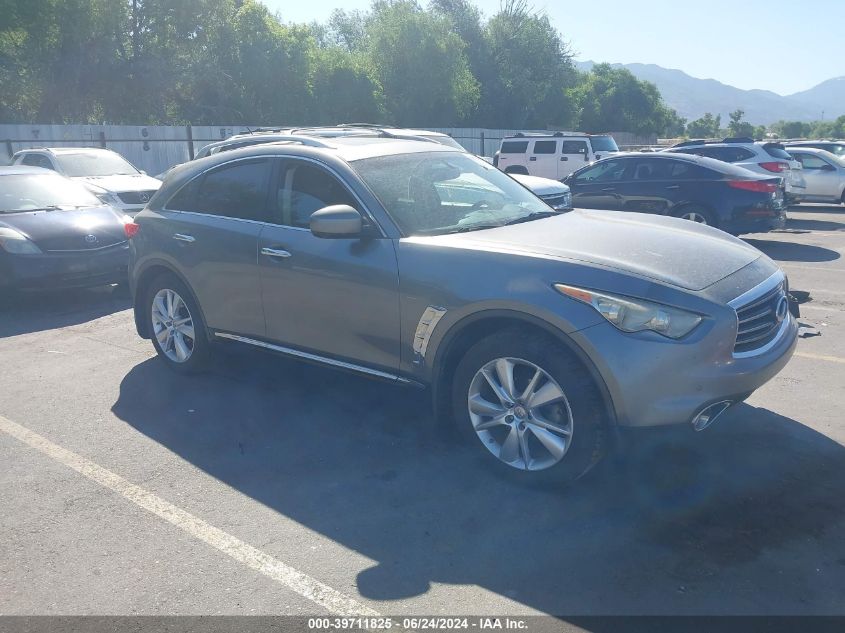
pixel 91 239
pixel 782 309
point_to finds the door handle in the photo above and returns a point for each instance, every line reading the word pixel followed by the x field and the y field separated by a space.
pixel 184 238
pixel 673 187
pixel 533 158
pixel 564 158
pixel 275 252
pixel 609 189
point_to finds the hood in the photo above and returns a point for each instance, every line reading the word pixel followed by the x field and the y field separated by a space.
pixel 68 229
pixel 118 183
pixel 667 250
pixel 541 186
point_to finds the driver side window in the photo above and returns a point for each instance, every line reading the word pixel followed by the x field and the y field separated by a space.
pixel 305 188
pixel 604 171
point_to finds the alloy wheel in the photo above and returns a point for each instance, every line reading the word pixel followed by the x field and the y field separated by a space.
pixel 693 216
pixel 520 413
pixel 173 325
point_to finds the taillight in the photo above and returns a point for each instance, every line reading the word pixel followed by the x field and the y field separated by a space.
pixel 131 229
pixel 754 185
pixel 775 167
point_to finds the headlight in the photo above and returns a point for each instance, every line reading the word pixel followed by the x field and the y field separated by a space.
pixel 110 199
pixel 636 315
pixel 13 242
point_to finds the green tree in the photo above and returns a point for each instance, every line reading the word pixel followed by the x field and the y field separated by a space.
pixel 707 126
pixel 532 71
pixel 420 63
pixel 792 129
pixel 737 127
pixel 612 99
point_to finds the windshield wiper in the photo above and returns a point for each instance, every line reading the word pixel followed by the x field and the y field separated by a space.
pixel 52 207
pixel 537 215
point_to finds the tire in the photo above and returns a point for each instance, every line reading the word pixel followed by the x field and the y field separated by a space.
pixel 182 345
pixel 563 438
pixel 696 214
pixel 517 170
pixel 842 200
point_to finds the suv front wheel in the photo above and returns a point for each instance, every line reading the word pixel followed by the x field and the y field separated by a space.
pixel 532 405
pixel 175 325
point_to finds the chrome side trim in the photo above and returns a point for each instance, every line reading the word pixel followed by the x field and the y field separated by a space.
pixel 758 291
pixel 313 357
pixel 428 321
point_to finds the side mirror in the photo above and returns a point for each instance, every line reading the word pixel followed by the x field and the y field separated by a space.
pixel 828 167
pixel 336 222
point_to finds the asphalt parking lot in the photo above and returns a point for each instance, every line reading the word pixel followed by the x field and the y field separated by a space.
pixel 273 487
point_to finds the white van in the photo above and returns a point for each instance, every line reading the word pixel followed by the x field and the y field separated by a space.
pixel 554 155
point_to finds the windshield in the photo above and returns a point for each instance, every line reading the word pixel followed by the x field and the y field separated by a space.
pixel 95 164
pixel 29 192
pixel 439 192
pixel 604 144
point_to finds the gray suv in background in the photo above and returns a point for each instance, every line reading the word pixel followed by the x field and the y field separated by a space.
pixel 537 331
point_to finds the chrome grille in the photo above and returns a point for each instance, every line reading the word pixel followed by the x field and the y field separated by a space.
pixel 135 197
pixel 759 320
pixel 560 200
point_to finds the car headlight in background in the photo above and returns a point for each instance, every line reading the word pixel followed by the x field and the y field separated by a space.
pixel 635 315
pixel 17 243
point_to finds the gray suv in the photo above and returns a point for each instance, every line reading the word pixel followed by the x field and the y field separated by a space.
pixel 537 332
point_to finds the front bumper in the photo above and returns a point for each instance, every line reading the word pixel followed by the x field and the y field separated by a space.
pixel 66 270
pixel 655 381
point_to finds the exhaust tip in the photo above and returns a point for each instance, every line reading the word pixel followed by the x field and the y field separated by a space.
pixel 709 414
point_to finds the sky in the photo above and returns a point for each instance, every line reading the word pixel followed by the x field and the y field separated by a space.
pixel 780 45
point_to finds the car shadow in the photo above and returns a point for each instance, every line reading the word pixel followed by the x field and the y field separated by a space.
pixel 817 208
pixel 25 312
pixel 801 224
pixel 670 528
pixel 791 252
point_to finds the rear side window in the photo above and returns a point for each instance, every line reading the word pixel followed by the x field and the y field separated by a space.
pixel 514 147
pixel 731 154
pixel 777 151
pixel 808 161
pixel 37 160
pixel 574 147
pixel 238 190
pixel 724 154
pixel 545 147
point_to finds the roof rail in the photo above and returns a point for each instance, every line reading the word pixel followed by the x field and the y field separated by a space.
pixel 309 141
pixel 556 134
pixel 699 141
pixel 377 126
pixel 738 139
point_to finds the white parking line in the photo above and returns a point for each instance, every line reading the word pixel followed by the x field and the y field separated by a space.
pixel 831 359
pixel 303 584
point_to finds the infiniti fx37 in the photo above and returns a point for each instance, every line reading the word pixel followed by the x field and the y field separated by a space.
pixel 537 331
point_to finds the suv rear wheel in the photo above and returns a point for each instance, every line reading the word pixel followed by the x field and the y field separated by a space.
pixel 516 170
pixel 532 405
pixel 175 325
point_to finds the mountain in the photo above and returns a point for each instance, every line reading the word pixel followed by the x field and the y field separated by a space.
pixel 692 97
pixel 828 96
